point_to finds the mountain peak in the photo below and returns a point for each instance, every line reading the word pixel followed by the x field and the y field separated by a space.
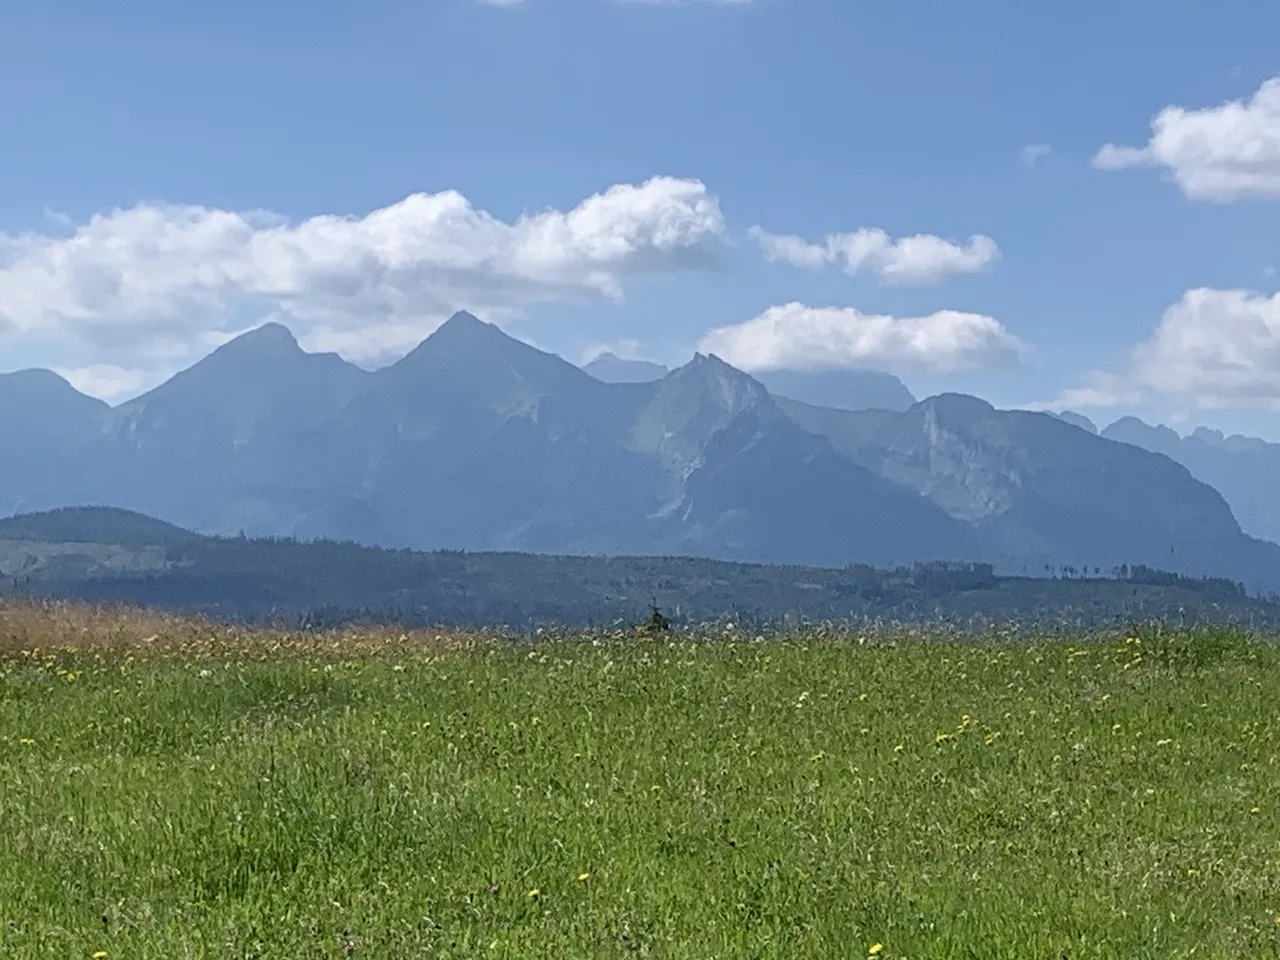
pixel 1208 435
pixel 1077 420
pixel 709 367
pixel 38 387
pixel 709 360
pixel 1139 433
pixel 464 338
pixel 34 377
pixel 960 405
pixel 464 317
pixel 464 323
pixel 694 402
pixel 611 368
pixel 272 339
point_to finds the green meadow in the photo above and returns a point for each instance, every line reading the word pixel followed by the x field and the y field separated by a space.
pixel 171 789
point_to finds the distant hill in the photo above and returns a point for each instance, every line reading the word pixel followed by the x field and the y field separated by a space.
pixel 103 525
pixel 105 555
pixel 477 441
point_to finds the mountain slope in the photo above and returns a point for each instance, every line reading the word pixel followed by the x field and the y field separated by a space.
pixel 765 493
pixel 189 450
pixel 43 420
pixel 745 482
pixel 475 439
pixel 1041 491
pixel 1245 470
pixel 839 389
pixel 100 525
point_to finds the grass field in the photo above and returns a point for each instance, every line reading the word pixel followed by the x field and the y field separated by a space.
pixel 171 790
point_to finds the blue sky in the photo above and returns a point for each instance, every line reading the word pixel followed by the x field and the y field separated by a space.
pixel 808 118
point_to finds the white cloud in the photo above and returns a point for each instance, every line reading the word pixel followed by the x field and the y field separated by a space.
pixel 108 382
pixel 918 259
pixel 1213 349
pixel 1033 153
pixel 796 336
pixel 1223 153
pixel 1216 347
pixel 159 280
pixel 1100 390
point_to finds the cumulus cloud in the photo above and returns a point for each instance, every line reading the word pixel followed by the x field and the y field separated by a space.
pixel 1223 153
pixel 108 382
pixel 796 336
pixel 159 280
pixel 1100 389
pixel 1213 349
pixel 918 259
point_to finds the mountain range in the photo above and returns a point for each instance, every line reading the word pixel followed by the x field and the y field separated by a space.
pixel 1245 469
pixel 475 440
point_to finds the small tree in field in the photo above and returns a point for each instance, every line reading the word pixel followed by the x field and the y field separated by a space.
pixel 658 622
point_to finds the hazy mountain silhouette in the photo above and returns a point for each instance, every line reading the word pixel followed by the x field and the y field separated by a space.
pixel 43 420
pixel 841 389
pixel 476 440
pixel 206 448
pixel 1078 420
pixel 614 369
pixel 1039 490
pixel 1246 470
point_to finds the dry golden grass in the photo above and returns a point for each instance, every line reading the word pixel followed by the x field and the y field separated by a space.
pixel 28 627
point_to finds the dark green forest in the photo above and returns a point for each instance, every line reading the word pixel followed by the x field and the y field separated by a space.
pixel 113 556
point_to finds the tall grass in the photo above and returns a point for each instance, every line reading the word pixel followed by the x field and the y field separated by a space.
pixel 172 791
